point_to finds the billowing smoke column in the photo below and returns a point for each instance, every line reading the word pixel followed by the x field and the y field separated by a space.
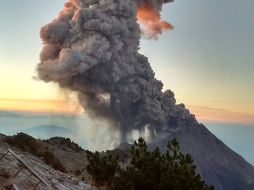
pixel 92 48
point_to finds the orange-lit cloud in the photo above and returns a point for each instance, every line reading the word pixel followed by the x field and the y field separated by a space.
pixel 69 6
pixel 221 115
pixel 150 21
pixel 40 106
pixel 73 107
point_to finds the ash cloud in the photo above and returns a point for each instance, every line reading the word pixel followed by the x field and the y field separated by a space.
pixel 92 48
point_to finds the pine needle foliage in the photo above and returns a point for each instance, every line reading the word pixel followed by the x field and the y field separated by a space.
pixel 148 170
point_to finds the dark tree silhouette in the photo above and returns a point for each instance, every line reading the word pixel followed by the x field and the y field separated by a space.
pixel 148 170
pixel 102 167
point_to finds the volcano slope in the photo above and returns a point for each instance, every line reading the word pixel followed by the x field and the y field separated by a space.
pixel 92 48
pixel 217 164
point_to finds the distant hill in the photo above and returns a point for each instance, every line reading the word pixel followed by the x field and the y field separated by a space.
pixel 10 114
pixel 48 131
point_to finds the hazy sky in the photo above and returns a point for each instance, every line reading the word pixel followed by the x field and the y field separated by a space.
pixel 207 60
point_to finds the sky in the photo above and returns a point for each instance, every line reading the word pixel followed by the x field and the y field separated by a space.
pixel 207 59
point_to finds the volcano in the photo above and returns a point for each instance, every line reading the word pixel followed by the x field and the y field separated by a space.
pixel 92 48
pixel 217 164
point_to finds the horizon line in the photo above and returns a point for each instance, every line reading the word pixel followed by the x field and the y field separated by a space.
pixel 72 107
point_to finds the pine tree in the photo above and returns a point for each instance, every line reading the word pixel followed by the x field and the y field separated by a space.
pixel 102 167
pixel 148 170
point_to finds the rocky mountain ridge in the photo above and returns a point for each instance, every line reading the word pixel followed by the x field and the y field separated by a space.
pixel 217 164
pixel 56 179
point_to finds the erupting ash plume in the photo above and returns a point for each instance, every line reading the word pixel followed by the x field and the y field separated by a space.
pixel 92 48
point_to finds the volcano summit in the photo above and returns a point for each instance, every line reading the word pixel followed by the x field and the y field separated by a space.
pixel 92 48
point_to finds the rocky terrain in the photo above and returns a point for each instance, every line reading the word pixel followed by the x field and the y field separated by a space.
pixel 217 164
pixel 56 179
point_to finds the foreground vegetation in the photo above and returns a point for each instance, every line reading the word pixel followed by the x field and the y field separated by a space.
pixel 29 144
pixel 147 170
